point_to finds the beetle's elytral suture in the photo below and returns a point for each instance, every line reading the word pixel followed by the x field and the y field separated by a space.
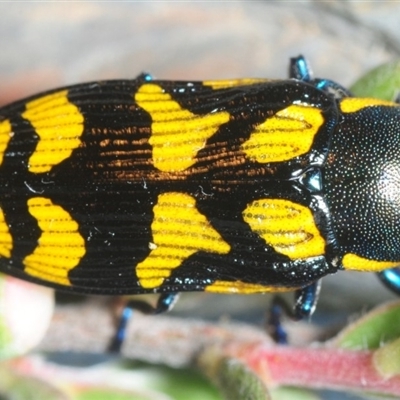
pixel 234 186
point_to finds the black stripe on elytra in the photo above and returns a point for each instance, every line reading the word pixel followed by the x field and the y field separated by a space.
pixel 113 210
pixel 249 106
pixel 17 186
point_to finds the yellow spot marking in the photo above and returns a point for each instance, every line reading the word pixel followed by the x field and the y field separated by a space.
pixel 287 134
pixel 228 83
pixel 353 104
pixel 179 231
pixel 286 226
pixel 177 134
pixel 5 136
pixel 354 262
pixel 5 237
pixel 240 287
pixel 59 125
pixel 60 246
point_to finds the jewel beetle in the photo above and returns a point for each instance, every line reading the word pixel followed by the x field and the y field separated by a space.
pixel 234 186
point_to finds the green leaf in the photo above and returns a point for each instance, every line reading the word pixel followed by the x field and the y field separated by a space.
pixel 373 330
pixel 235 380
pixel 107 393
pixel 286 393
pixel 382 82
pixel 179 384
pixel 386 360
pixel 18 387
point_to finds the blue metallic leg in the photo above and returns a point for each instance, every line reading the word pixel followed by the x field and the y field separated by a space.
pixel 165 303
pixel 119 337
pixel 391 279
pixel 331 87
pixel 144 76
pixel 305 303
pixel 274 327
pixel 301 70
pixel 306 300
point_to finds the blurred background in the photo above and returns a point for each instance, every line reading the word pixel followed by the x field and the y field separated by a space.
pixel 55 43
pixel 59 42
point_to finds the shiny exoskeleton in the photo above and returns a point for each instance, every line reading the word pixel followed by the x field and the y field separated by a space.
pixel 238 186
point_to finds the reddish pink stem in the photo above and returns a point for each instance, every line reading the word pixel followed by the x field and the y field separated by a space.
pixel 319 368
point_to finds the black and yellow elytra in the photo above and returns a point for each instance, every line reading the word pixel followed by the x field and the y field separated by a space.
pixel 237 186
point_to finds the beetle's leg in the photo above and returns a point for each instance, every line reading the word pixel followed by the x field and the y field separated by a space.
pixel 391 279
pixel 144 76
pixel 305 303
pixel 165 303
pixel 331 87
pixel 300 69
pixel 119 337
pixel 274 322
pixel 306 300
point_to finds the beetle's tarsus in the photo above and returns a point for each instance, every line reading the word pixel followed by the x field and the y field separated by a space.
pixel 391 279
pixel 274 326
